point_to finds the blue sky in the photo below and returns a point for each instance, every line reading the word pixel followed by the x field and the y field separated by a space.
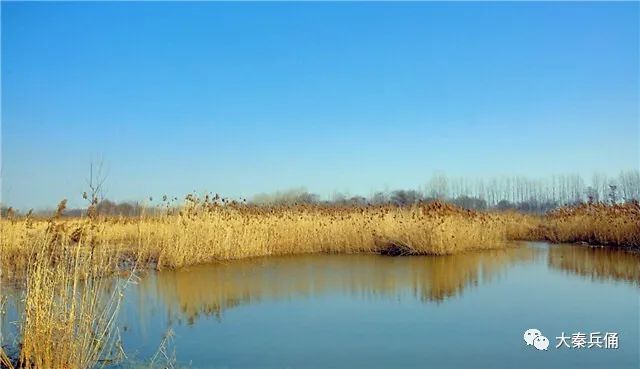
pixel 257 97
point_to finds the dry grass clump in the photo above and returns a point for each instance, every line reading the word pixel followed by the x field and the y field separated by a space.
pixel 521 226
pixel 210 229
pixel 205 230
pixel 69 307
pixel 598 224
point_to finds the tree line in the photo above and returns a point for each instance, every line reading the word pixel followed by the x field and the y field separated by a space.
pixel 521 193
pixel 515 192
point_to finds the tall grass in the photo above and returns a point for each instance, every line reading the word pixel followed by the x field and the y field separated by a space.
pixel 204 231
pixel 598 224
pixel 69 307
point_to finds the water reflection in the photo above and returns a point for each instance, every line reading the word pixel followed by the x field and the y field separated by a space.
pixel 596 263
pixel 339 311
pixel 211 289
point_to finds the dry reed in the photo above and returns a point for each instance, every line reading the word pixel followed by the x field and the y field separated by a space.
pixel 597 224
pixel 205 231
pixel 69 308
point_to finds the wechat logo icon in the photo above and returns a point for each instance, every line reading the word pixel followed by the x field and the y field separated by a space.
pixel 533 337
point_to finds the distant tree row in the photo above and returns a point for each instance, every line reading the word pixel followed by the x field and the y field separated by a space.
pixel 560 189
pixel 104 207
pixel 502 193
pixel 518 192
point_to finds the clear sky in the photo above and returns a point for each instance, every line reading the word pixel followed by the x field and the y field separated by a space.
pixel 246 98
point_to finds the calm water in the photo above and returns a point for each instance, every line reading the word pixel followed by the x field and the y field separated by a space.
pixel 365 311
pixel 355 311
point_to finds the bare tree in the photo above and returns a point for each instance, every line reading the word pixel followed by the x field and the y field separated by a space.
pixel 629 182
pixel 613 193
pixel 438 187
pixel 402 197
pixel 95 182
pixel 379 198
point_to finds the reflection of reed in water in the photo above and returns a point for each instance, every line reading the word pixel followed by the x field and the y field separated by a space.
pixel 597 263
pixel 210 289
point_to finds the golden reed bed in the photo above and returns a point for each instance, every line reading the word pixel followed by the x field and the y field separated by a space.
pixel 597 224
pixel 61 263
pixel 206 231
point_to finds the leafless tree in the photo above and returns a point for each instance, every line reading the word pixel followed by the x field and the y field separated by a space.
pixel 95 182
pixel 629 182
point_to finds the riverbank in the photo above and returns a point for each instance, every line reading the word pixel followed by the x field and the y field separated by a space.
pixel 594 224
pixel 205 231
